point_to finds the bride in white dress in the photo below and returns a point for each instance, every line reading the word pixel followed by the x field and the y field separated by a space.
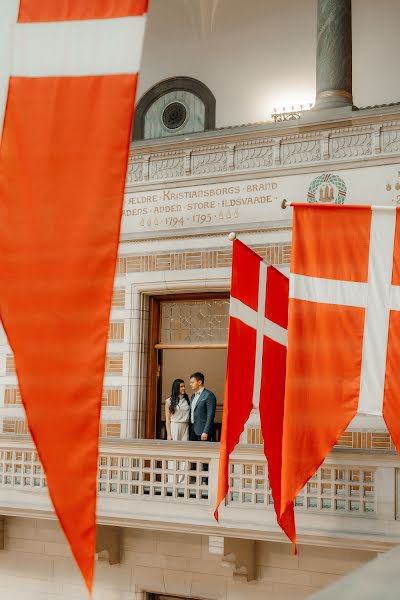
pixel 177 412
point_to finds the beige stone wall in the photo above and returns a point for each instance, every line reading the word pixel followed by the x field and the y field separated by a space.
pixel 36 565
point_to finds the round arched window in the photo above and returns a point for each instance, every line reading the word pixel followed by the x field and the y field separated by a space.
pixel 176 106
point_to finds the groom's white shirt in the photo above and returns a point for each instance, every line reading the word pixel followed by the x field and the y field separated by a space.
pixel 194 403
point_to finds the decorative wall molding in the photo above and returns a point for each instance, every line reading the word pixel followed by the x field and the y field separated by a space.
pixel 167 168
pixel 391 141
pixel 304 151
pixel 259 157
pixel 351 146
pixel 135 172
pixel 274 254
pixel 263 152
pixel 209 162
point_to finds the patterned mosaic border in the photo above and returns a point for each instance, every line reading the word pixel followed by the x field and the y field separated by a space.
pixel 278 254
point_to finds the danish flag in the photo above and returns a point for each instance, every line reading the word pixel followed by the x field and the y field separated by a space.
pixel 255 376
pixel 68 73
pixel 343 332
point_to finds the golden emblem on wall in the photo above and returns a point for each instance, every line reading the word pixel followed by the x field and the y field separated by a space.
pixel 327 189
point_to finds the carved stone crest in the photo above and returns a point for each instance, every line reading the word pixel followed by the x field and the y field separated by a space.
pixel 327 189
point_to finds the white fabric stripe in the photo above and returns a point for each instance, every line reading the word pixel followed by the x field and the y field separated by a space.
pixel 395 297
pixel 275 332
pixel 376 325
pixel 78 48
pixel 244 313
pixel 262 292
pixel 328 291
pixel 248 316
pixel 8 16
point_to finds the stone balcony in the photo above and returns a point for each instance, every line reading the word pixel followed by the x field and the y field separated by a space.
pixel 352 501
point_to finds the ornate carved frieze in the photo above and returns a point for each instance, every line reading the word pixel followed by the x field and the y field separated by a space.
pixel 301 152
pixel 210 163
pixel 167 168
pixel 391 141
pixel 265 153
pixel 351 146
pixel 134 172
pixel 258 157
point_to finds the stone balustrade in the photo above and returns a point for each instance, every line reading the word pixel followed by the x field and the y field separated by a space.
pixel 350 501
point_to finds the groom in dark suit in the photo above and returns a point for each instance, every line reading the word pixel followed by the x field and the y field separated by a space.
pixel 202 410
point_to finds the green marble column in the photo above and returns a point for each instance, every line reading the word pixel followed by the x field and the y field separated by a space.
pixel 334 54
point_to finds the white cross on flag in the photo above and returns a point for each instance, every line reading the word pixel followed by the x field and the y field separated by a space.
pixel 68 74
pixel 255 376
pixel 343 333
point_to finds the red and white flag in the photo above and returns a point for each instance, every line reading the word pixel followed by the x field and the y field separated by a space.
pixel 255 376
pixel 68 73
pixel 343 334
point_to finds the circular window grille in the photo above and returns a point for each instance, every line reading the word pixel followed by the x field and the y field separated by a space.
pixel 174 115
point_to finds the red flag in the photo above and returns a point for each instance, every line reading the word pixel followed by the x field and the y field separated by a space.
pixel 343 332
pixel 255 374
pixel 273 391
pixel 69 96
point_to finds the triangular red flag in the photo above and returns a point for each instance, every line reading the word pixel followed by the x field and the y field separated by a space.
pixel 63 157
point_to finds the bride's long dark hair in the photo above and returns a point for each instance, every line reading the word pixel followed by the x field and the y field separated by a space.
pixel 175 395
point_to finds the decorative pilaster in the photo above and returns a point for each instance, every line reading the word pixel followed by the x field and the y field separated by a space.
pixel 231 157
pixel 334 54
pixel 187 162
pixel 146 167
pixel 277 152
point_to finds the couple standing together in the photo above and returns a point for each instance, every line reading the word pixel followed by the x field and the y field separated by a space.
pixel 190 419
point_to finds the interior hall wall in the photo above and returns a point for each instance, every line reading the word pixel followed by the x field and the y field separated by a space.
pixel 261 54
pixel 258 55
pixel 376 51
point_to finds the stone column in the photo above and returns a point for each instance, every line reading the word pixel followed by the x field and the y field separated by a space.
pixel 334 54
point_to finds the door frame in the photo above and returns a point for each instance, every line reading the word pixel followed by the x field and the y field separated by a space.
pixel 154 366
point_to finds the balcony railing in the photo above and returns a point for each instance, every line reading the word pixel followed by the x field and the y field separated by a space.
pixel 172 485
